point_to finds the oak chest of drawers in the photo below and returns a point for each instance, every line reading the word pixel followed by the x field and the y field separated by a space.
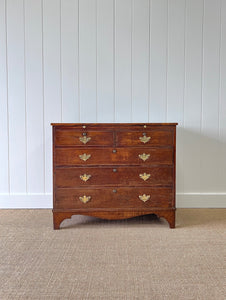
pixel 114 171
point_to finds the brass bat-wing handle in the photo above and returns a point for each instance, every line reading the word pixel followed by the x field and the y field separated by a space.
pixel 144 197
pixel 84 156
pixel 144 156
pixel 144 176
pixel 144 139
pixel 85 177
pixel 85 198
pixel 84 139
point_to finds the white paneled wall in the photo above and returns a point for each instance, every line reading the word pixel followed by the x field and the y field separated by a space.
pixel 112 61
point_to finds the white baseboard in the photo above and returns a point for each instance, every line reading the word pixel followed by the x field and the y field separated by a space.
pixel 23 200
pixel 39 200
pixel 201 200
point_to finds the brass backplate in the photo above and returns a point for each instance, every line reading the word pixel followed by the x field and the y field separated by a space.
pixel 145 176
pixel 84 156
pixel 85 198
pixel 84 139
pixel 85 177
pixel 144 197
pixel 144 156
pixel 144 139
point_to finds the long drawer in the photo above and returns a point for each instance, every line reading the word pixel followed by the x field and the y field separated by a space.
pixel 145 138
pixel 121 176
pixel 109 156
pixel 138 197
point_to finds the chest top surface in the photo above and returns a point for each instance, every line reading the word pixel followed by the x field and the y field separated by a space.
pixel 112 125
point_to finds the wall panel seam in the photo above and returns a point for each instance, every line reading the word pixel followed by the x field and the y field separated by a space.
pixel 114 45
pixel 43 99
pixel 185 66
pixel 149 54
pixel 219 86
pixel 25 94
pixel 131 60
pixel 78 65
pixel 202 66
pixel 184 82
pixel 7 89
pixel 96 64
pixel 61 76
pixel 149 59
pixel 167 60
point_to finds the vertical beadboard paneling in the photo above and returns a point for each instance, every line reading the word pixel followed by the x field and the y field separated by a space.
pixel 210 180
pixel 158 60
pixel 105 60
pixel 34 95
pixel 193 95
pixel 69 60
pixel 16 96
pixel 175 78
pixel 87 60
pixel 112 61
pixel 140 60
pixel 52 78
pixel 4 175
pixel 123 68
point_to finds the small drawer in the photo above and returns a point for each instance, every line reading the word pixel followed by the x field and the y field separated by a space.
pixel 72 137
pixel 119 198
pixel 110 176
pixel 113 156
pixel 145 138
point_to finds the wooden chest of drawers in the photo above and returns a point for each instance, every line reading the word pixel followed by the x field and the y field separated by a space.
pixel 114 171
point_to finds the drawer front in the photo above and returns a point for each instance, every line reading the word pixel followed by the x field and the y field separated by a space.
pixel 138 197
pixel 122 176
pixel 112 156
pixel 71 137
pixel 145 138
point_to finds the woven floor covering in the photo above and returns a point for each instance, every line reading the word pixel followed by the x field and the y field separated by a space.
pixel 89 258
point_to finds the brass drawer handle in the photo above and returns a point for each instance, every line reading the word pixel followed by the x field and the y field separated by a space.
pixel 114 170
pixel 85 177
pixel 144 197
pixel 144 176
pixel 114 191
pixel 84 139
pixel 84 156
pixel 144 139
pixel 114 150
pixel 85 198
pixel 144 156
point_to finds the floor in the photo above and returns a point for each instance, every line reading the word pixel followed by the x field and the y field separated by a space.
pixel 89 258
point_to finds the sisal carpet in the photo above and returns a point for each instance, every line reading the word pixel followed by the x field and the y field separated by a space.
pixel 139 258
